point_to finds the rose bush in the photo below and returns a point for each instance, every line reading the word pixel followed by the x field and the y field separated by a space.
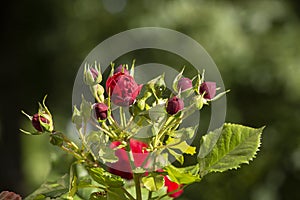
pixel 110 159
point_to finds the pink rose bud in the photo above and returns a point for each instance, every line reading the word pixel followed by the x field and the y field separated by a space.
pixel 122 89
pixel 6 195
pixel 173 186
pixel 174 105
pixel 184 84
pixel 94 73
pixel 101 111
pixel 121 69
pixel 122 166
pixel 209 88
pixel 36 118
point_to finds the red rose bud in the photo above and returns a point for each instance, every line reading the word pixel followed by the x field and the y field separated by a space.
pixel 36 122
pixel 209 90
pixel 121 69
pixel 101 111
pixel 122 166
pixel 123 89
pixel 174 105
pixel 184 84
pixel 172 186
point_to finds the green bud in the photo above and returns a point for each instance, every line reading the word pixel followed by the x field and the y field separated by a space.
pixel 57 139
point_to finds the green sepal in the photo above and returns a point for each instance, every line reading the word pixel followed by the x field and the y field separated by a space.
pixel 177 78
pixel 44 112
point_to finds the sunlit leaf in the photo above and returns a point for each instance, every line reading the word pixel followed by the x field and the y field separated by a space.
pixel 228 147
pixel 153 182
pixel 184 175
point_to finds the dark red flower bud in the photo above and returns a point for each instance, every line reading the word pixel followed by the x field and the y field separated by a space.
pixel 174 105
pixel 121 69
pixel 101 111
pixel 209 88
pixel 122 166
pixel 123 89
pixel 6 195
pixel 94 73
pixel 36 118
pixel 172 186
pixel 184 84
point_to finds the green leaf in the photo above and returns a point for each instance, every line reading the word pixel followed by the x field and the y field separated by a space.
pixel 228 147
pixel 73 181
pixel 85 110
pixel 105 178
pixel 177 156
pixel 182 146
pixel 98 196
pixel 116 194
pixel 184 133
pixel 76 118
pixel 153 182
pixel 184 175
pixel 98 144
pixel 51 189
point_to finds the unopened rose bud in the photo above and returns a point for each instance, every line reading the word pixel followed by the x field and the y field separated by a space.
pixel 122 69
pixel 209 90
pixel 36 122
pixel 174 105
pixel 184 84
pixel 92 76
pixel 101 111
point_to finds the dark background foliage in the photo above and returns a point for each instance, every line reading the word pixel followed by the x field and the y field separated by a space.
pixel 255 44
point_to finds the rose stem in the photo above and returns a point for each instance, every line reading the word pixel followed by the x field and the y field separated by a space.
pixel 136 178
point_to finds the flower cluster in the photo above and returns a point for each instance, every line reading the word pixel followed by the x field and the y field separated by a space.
pixel 131 136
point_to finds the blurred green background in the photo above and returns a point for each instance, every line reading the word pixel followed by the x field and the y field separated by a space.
pixel 255 44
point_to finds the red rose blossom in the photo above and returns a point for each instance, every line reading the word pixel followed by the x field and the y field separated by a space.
pixel 121 69
pixel 36 122
pixel 122 166
pixel 172 186
pixel 122 88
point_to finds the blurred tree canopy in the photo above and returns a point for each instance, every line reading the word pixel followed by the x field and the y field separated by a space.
pixel 255 44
